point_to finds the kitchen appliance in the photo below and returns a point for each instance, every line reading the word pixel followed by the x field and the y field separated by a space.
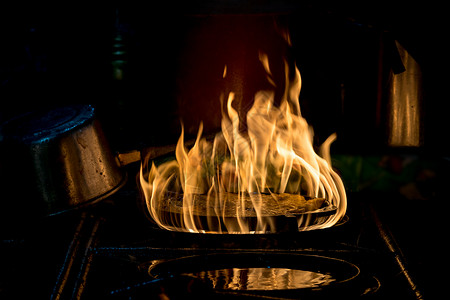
pixel 113 252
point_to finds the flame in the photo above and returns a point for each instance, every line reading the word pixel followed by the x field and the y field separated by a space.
pixel 249 182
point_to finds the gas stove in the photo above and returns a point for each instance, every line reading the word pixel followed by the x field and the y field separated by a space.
pixel 112 251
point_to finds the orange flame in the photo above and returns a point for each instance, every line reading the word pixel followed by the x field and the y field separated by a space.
pixel 247 183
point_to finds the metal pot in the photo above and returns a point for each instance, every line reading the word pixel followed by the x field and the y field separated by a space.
pixel 54 161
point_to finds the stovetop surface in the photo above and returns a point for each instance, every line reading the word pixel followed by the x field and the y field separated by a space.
pixel 105 253
pixel 127 249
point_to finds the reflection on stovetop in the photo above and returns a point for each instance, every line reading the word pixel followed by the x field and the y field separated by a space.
pixel 106 252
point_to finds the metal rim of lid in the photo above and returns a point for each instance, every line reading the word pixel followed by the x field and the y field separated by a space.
pixel 41 126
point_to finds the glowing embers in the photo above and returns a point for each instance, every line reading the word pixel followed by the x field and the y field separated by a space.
pixel 247 181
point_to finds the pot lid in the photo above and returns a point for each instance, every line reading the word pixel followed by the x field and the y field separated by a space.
pixel 42 126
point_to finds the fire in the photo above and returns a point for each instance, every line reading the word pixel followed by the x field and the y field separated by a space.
pixel 255 181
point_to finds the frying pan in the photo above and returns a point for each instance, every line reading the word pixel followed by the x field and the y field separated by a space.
pixel 276 221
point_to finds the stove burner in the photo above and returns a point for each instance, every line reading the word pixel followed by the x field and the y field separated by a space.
pixel 284 275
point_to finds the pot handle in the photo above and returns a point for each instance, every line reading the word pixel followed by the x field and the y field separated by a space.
pixel 133 156
pixel 126 158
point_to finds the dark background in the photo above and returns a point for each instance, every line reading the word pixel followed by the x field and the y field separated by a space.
pixel 172 55
pixel 64 53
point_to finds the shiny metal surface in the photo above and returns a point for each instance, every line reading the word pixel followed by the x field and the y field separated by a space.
pixel 56 161
pixel 405 104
